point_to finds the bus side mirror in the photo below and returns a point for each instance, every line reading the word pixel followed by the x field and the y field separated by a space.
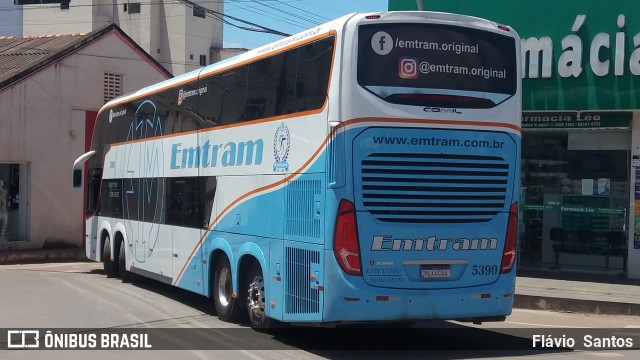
pixel 77 178
pixel 77 168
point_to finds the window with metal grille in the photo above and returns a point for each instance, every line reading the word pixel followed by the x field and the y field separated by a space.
pixel 199 11
pixel 112 86
pixel 132 8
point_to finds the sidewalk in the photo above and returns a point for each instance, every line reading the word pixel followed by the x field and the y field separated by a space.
pixel 535 289
pixel 580 293
pixel 41 256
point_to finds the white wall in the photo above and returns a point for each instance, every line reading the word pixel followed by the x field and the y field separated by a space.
pixel 167 30
pixel 171 34
pixel 49 19
pixel 203 34
pixel 42 123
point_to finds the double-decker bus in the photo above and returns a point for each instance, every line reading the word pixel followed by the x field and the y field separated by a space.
pixel 363 170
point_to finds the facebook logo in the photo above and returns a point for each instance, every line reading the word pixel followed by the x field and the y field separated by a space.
pixel 381 43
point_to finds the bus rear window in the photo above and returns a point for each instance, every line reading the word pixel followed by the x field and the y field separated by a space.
pixel 437 65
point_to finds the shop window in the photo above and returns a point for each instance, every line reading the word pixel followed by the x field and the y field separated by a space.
pixel 579 189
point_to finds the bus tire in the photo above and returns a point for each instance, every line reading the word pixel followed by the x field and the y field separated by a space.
pixel 125 275
pixel 108 265
pixel 256 299
pixel 225 302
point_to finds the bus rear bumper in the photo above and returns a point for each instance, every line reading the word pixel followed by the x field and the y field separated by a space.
pixel 349 298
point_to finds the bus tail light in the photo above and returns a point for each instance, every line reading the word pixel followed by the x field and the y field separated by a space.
pixel 345 239
pixel 509 253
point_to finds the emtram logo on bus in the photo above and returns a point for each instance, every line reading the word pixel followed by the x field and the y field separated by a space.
pixel 115 114
pixel 432 243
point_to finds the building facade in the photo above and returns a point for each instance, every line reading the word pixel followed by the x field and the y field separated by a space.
pixel 180 35
pixel 51 88
pixel 10 19
pixel 580 203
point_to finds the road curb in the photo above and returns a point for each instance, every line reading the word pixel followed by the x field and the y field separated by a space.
pixel 40 256
pixel 575 305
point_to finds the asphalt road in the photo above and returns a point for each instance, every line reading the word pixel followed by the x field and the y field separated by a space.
pixel 77 298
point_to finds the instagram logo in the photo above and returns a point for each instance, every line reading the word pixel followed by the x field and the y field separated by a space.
pixel 180 97
pixel 408 68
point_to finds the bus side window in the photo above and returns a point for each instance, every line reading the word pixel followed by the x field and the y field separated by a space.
pixel 111 198
pixel 93 190
pixel 314 68
pixel 170 121
pixel 182 121
pixel 208 186
pixel 286 88
pixel 212 103
pixel 262 88
pixel 234 95
pixel 190 201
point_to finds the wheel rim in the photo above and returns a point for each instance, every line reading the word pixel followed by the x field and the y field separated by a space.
pixel 255 298
pixel 224 287
pixel 122 259
pixel 105 250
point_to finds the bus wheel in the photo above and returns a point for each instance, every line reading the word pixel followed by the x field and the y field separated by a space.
pixel 125 275
pixel 225 303
pixel 108 265
pixel 256 298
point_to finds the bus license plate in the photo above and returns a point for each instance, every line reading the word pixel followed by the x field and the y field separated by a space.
pixel 435 272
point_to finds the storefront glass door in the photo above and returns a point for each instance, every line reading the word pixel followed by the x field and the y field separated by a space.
pixel 575 200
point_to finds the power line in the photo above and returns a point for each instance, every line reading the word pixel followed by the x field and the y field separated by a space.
pixel 214 14
pixel 285 12
pixel 318 18
pixel 237 22
pixel 314 3
pixel 221 17
pixel 268 15
pixel 154 3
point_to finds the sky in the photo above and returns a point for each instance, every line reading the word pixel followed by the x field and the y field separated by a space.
pixel 287 16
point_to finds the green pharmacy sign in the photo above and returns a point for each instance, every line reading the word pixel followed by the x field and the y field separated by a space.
pixel 576 54
pixel 576 120
pixel 576 209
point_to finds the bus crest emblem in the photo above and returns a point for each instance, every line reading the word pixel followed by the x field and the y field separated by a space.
pixel 281 144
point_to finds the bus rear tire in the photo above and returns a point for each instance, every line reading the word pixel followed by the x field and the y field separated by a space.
pixel 108 265
pixel 256 299
pixel 226 304
pixel 125 275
